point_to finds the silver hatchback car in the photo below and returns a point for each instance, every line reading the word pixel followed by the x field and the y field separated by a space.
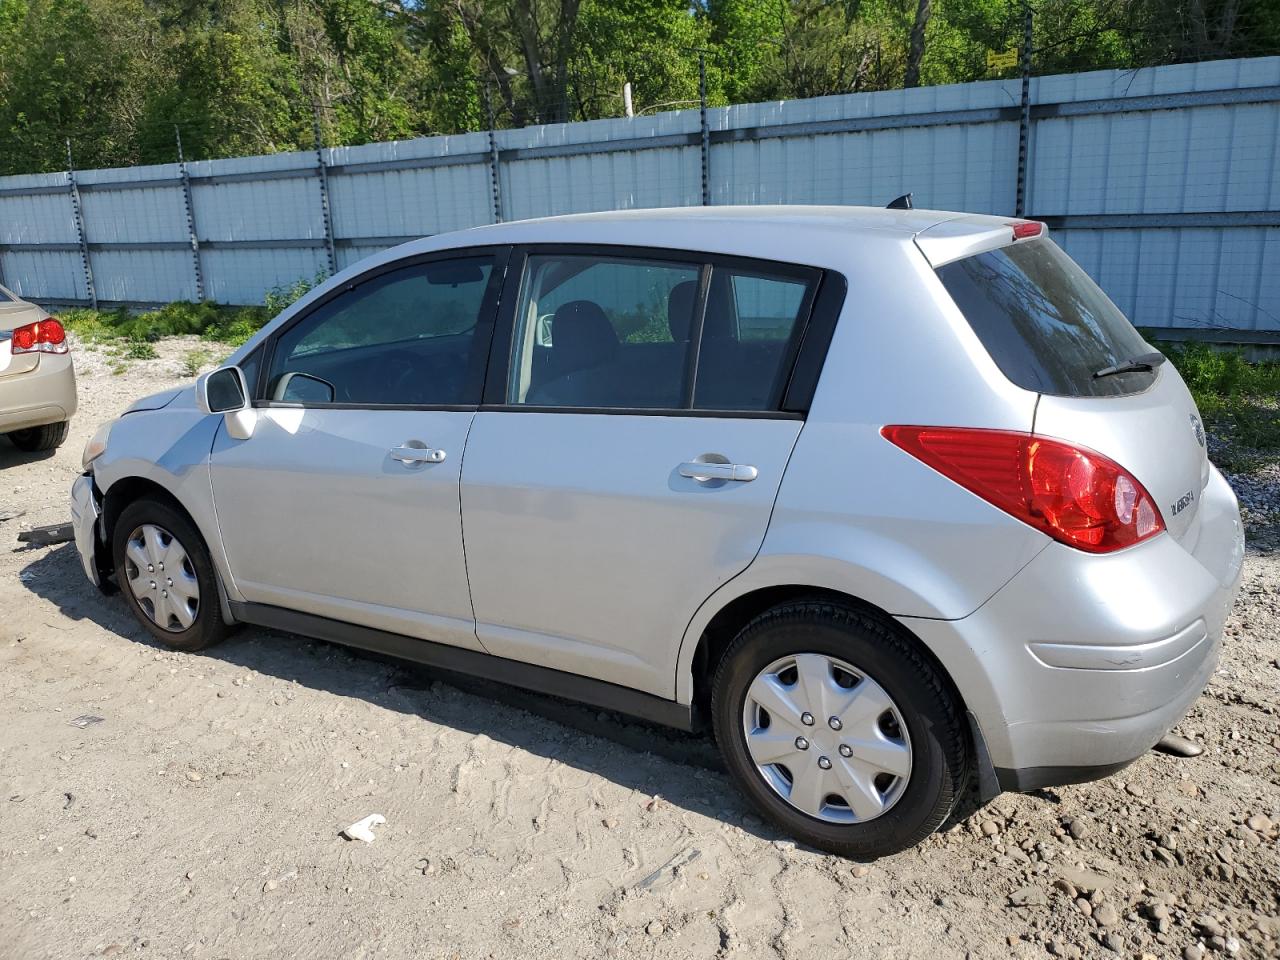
pixel 897 500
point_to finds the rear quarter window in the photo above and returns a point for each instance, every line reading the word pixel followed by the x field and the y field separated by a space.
pixel 1044 322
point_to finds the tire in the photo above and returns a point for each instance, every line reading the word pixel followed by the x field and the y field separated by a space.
pixel 924 717
pixel 191 572
pixel 38 439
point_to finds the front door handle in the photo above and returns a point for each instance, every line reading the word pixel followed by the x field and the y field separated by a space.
pixel 407 454
pixel 699 470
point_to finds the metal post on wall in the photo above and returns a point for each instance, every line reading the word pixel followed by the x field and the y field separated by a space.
pixel 706 131
pixel 78 215
pixel 322 171
pixel 191 216
pixel 1024 117
pixel 495 177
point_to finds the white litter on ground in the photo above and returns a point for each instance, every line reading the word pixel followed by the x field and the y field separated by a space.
pixel 362 829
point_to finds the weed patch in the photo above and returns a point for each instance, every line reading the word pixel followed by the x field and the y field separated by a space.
pixel 1239 401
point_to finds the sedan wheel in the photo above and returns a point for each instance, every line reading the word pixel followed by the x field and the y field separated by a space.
pixel 827 738
pixel 162 578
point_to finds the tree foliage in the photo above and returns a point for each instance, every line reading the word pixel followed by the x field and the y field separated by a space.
pixel 252 76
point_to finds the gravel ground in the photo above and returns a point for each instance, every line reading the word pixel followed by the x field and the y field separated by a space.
pixel 200 817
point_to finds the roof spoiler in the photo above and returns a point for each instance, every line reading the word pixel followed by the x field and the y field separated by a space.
pixel 901 203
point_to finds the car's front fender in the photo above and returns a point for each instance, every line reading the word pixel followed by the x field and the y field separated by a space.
pixel 169 447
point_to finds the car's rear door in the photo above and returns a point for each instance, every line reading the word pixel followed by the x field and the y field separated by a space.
pixel 629 451
pixel 344 501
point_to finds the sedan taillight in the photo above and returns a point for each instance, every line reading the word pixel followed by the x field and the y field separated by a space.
pixel 1072 493
pixel 44 336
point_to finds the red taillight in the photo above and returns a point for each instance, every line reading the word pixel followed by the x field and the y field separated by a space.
pixel 1026 229
pixel 45 336
pixel 24 338
pixel 1073 494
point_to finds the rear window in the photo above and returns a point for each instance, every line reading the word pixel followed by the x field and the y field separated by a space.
pixel 1045 323
pixel 5 296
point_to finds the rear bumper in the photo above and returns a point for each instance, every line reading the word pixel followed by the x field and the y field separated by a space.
pixel 1082 663
pixel 37 397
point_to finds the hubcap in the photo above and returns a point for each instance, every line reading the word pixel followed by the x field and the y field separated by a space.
pixel 162 578
pixel 860 759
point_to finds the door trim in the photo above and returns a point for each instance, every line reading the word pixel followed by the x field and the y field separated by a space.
pixel 516 673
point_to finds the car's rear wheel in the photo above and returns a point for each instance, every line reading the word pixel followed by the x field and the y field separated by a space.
pixel 37 439
pixel 839 729
pixel 164 571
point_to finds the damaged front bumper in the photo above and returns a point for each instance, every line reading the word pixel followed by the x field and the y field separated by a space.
pixel 86 510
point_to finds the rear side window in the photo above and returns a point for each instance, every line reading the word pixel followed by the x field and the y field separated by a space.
pixel 5 296
pixel 603 332
pixel 749 335
pixel 1045 323
pixel 635 333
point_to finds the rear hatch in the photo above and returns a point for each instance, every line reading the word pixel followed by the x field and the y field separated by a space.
pixel 16 313
pixel 1052 330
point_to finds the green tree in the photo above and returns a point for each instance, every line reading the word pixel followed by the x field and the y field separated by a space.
pixel 248 76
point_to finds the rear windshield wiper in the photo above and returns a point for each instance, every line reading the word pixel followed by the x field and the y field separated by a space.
pixel 1143 362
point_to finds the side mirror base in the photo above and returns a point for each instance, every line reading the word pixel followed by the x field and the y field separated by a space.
pixel 240 423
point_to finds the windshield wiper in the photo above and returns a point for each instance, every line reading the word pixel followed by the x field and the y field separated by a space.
pixel 1138 364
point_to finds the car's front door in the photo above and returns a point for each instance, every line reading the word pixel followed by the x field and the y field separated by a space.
pixel 344 500
pixel 608 490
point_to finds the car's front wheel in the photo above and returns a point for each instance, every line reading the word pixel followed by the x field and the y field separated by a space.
pixel 839 729
pixel 164 571
pixel 39 439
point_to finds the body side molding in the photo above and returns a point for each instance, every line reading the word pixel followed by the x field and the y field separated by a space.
pixel 529 676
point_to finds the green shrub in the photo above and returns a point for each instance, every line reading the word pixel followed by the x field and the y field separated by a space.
pixel 140 350
pixel 283 296
pixel 233 325
pixel 194 360
pixel 1240 400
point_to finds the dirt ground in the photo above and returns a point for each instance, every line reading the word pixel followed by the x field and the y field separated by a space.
pixel 200 817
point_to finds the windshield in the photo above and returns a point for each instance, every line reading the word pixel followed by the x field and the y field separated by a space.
pixel 1045 323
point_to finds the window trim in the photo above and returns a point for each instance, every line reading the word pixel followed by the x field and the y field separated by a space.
pixel 815 342
pixel 793 404
pixel 484 330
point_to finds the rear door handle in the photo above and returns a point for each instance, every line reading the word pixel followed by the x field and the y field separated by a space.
pixel 408 454
pixel 697 470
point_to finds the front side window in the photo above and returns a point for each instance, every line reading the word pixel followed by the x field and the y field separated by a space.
pixel 413 336
pixel 635 333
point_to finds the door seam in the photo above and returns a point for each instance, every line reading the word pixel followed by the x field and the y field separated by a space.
pixel 462 530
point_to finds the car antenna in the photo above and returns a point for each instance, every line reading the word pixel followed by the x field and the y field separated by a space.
pixel 901 203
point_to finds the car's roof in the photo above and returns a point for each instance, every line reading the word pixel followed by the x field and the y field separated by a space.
pixel 817 235
pixel 764 217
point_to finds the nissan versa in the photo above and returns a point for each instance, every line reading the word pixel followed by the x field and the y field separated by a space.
pixel 894 498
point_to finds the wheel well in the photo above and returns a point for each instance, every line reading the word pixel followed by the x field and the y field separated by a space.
pixel 124 492
pixel 736 614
